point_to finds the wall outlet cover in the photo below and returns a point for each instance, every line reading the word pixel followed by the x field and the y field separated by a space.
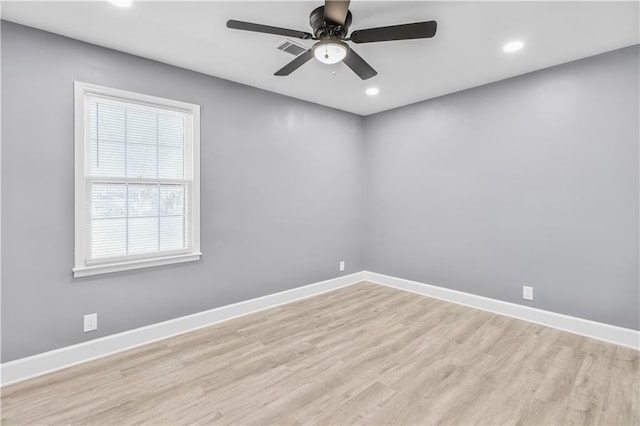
pixel 342 266
pixel 527 292
pixel 90 322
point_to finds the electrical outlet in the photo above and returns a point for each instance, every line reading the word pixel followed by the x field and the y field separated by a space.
pixel 342 266
pixel 90 322
pixel 527 292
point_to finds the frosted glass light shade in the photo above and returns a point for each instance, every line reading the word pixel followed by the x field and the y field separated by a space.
pixel 330 51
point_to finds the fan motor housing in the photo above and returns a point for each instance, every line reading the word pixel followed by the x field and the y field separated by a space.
pixel 325 29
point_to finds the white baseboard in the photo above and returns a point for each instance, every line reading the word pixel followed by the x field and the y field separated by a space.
pixel 596 330
pixel 47 362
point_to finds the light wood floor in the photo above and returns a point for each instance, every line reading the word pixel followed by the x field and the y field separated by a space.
pixel 364 354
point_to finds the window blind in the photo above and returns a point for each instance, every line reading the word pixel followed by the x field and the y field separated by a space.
pixel 138 181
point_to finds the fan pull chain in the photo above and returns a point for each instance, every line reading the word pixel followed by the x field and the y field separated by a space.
pixel 333 71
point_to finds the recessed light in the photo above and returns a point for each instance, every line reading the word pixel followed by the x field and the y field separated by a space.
pixel 513 46
pixel 372 91
pixel 121 3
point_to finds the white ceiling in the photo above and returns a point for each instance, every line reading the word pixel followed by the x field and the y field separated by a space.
pixel 466 51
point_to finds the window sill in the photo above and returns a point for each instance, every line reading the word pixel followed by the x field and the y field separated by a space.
pixel 86 271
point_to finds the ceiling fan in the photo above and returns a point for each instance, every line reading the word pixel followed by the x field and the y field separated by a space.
pixel 330 25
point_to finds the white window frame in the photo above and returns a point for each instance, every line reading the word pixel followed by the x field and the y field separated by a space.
pixel 82 161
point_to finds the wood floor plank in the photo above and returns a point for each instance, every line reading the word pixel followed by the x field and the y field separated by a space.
pixel 364 354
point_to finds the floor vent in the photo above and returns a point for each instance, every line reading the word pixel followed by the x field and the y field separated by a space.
pixel 291 47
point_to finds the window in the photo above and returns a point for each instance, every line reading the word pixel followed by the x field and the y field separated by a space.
pixel 136 180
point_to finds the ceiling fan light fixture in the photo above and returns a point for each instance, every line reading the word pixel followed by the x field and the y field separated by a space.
pixel 330 51
pixel 330 24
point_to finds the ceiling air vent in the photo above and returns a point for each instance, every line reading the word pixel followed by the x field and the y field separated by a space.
pixel 291 47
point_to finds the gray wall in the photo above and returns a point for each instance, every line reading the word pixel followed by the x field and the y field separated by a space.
pixel 528 181
pixel 281 205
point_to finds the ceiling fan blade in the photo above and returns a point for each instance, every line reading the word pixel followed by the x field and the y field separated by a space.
pixel 396 32
pixel 259 28
pixel 302 59
pixel 336 11
pixel 359 65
